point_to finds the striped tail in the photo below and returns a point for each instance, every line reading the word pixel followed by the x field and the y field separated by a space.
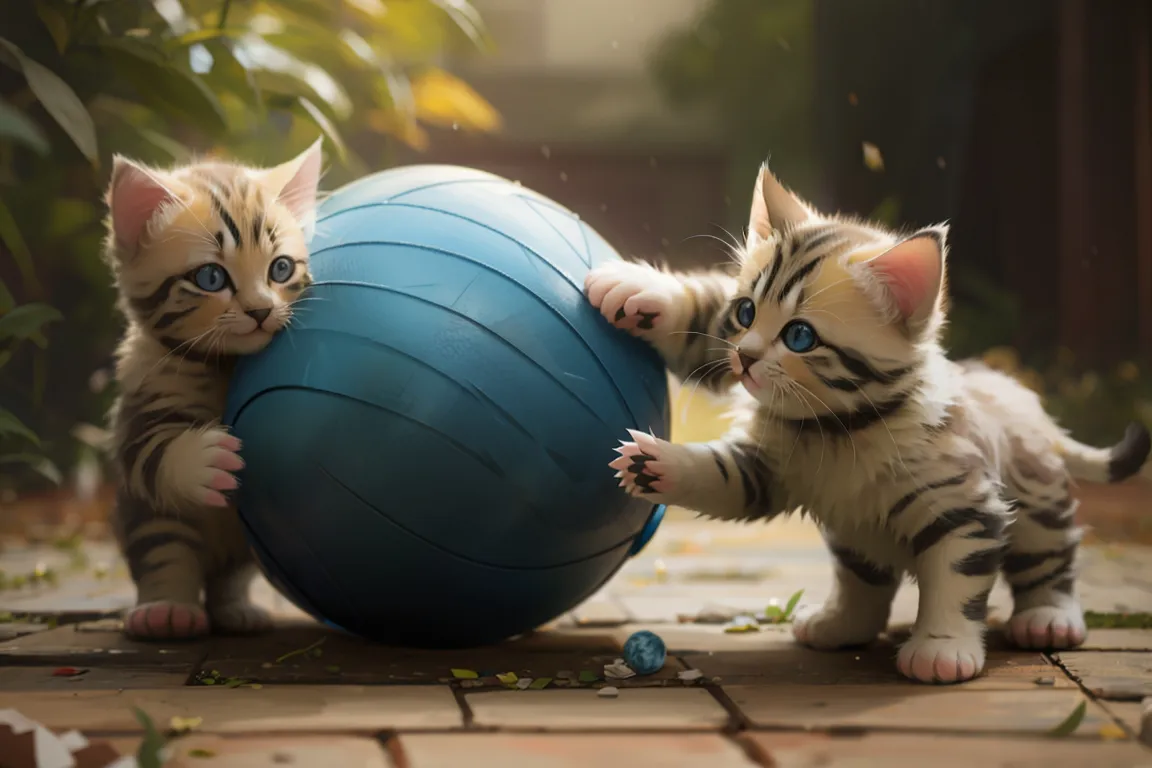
pixel 1110 465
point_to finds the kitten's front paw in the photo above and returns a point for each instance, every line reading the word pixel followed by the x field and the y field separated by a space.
pixel 651 468
pixel 198 466
pixel 634 297
pixel 827 628
pixel 240 618
pixel 941 659
pixel 1047 627
pixel 166 620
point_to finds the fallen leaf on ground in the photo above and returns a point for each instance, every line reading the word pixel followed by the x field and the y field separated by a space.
pixel 185 724
pixel 1072 722
pixel 308 649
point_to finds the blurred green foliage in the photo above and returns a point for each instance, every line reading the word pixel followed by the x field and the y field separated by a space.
pixel 163 81
pixel 753 63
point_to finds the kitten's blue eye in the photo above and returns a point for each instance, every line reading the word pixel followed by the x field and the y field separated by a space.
pixel 281 269
pixel 210 277
pixel 800 337
pixel 746 312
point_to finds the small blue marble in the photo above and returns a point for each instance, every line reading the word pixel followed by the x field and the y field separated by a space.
pixel 644 652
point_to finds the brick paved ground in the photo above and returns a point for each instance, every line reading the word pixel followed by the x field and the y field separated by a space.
pixel 760 701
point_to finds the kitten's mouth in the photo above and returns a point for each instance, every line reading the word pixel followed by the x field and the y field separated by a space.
pixel 749 383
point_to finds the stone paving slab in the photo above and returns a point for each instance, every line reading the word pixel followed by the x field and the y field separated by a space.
pixel 68 646
pixel 940 709
pixel 687 639
pixel 801 750
pixel 794 665
pixel 520 750
pixel 350 660
pixel 198 750
pixel 636 709
pixel 13 629
pixel 281 709
pixel 1131 714
pixel 1116 675
pixel 91 678
pixel 1117 640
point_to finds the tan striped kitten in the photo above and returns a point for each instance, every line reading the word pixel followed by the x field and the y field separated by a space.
pixel 208 260
pixel 849 408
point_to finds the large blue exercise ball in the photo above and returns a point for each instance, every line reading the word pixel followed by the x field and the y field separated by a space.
pixel 427 444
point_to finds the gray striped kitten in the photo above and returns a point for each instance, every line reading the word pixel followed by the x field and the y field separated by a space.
pixel 208 259
pixel 848 407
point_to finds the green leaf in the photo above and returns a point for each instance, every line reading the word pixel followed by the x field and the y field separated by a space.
pixel 36 463
pixel 465 16
pixel 774 613
pixel 324 124
pixel 6 300
pixel 149 754
pixel 26 320
pixel 11 237
pixel 204 35
pixel 57 97
pixel 792 603
pixel 56 24
pixel 175 93
pixel 172 11
pixel 15 125
pixel 10 425
pixel 174 149
pixel 229 74
pixel 1072 722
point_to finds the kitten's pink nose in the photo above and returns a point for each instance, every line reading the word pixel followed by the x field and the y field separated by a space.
pixel 259 315
pixel 746 360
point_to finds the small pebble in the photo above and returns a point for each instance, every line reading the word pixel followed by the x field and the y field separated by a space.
pixel 1045 681
pixel 688 675
pixel 645 652
pixel 618 671
pixel 523 683
pixel 608 692
pixel 565 674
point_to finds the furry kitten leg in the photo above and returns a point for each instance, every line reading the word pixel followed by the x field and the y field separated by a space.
pixel 230 607
pixel 680 315
pixel 165 559
pixel 721 479
pixel 1041 561
pixel 857 610
pixel 955 531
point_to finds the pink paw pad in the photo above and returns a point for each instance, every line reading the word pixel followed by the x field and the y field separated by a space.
pixel 941 660
pixel 1046 628
pixel 639 467
pixel 164 620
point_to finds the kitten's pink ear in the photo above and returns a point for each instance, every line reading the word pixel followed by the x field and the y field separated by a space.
pixel 911 275
pixel 773 207
pixel 134 196
pixel 297 182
